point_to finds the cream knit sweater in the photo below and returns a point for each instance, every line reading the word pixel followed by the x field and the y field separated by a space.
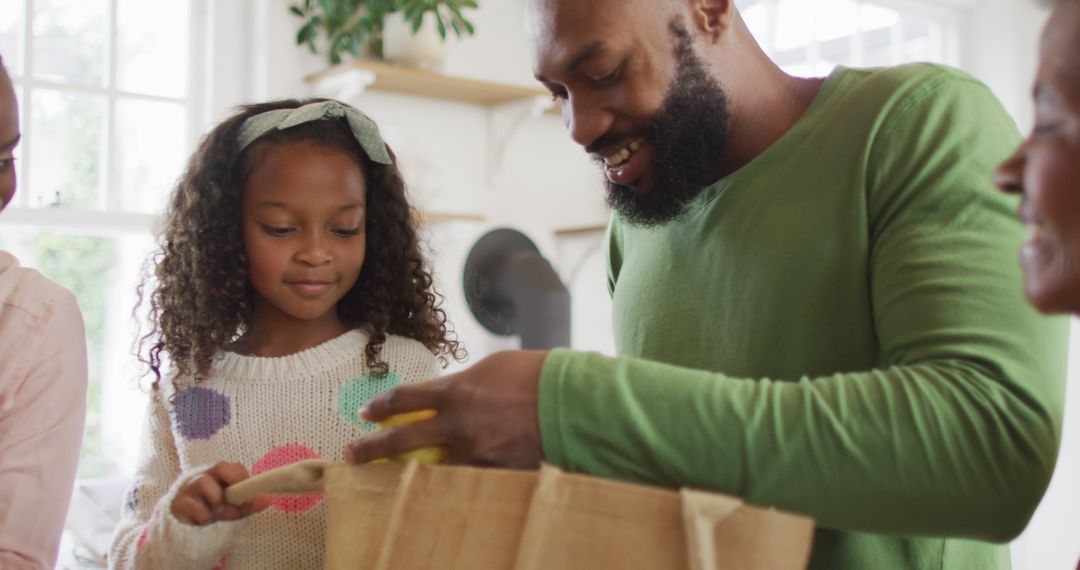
pixel 263 413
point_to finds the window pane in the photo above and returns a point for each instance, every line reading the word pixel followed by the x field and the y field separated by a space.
pixel 66 151
pixel 835 19
pixel 793 27
pixel 11 36
pixel 875 17
pixel 153 58
pixel 69 41
pixel 756 18
pixel 878 27
pixel 922 40
pixel 148 160
pixel 103 273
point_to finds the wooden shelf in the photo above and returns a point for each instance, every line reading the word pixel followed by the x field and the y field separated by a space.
pixel 424 83
pixel 584 230
pixel 429 217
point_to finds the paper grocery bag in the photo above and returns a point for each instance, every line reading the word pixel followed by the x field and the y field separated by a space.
pixel 405 516
pixel 577 521
pixel 413 515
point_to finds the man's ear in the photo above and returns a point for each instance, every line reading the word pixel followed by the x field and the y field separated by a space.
pixel 713 17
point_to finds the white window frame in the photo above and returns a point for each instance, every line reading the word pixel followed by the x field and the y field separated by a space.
pixel 947 13
pixel 109 219
pixel 119 369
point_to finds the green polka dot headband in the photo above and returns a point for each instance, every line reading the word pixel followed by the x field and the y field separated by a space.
pixel 364 129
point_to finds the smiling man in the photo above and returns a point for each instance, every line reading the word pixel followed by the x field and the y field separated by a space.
pixel 816 299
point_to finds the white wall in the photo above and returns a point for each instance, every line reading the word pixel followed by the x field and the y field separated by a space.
pixel 1000 47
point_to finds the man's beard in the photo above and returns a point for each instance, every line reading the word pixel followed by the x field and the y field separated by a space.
pixel 688 134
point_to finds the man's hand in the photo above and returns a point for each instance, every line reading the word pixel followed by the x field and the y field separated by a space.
pixel 201 500
pixel 487 415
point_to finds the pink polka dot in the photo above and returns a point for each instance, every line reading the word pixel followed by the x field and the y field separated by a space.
pixel 144 537
pixel 287 455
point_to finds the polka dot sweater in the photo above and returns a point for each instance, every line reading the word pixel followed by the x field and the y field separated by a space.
pixel 263 413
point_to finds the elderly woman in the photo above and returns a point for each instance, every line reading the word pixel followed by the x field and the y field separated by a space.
pixel 1046 170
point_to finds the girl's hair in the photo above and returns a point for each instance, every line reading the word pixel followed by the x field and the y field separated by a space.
pixel 203 298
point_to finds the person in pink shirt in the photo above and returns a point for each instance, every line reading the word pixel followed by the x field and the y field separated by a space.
pixel 42 389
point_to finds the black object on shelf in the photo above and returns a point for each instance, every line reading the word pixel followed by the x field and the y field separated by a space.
pixel 512 290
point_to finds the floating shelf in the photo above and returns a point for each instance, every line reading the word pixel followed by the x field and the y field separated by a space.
pixel 429 217
pixel 424 83
pixel 581 231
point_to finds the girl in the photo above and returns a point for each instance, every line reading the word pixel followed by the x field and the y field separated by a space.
pixel 290 290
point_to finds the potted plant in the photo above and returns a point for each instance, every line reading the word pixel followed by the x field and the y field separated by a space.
pixel 351 26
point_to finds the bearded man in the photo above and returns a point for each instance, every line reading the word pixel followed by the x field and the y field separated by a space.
pixel 816 299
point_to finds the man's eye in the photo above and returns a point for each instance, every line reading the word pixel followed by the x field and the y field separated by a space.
pixel 6 164
pixel 609 78
pixel 348 232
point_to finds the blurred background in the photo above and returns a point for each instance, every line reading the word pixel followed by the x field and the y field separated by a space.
pixel 115 94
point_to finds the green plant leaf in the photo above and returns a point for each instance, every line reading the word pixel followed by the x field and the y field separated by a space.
pixel 303 34
pixel 414 12
pixel 351 25
pixel 441 25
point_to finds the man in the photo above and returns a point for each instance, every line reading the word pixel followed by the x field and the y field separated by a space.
pixel 815 299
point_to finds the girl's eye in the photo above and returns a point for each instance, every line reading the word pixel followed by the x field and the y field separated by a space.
pixel 347 233
pixel 278 232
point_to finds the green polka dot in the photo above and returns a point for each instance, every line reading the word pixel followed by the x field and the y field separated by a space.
pixel 358 391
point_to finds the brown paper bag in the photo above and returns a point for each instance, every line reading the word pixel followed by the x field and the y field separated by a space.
pixel 404 516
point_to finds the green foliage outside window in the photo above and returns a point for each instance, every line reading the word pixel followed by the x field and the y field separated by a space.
pixel 86 266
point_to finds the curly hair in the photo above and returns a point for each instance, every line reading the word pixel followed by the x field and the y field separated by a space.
pixel 203 299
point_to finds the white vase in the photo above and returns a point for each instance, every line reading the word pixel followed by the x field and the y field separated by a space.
pixel 401 46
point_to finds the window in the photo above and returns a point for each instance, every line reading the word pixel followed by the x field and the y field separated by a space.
pixel 108 114
pixel 811 37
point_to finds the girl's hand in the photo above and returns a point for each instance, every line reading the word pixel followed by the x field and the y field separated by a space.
pixel 201 500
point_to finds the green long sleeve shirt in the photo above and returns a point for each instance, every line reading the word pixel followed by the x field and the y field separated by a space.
pixel 836 329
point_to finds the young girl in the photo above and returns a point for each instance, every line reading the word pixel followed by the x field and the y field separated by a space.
pixel 290 290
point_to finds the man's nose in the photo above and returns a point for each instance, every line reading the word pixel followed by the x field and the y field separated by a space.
pixel 585 120
pixel 1009 175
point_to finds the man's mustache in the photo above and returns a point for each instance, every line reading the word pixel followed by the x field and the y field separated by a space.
pixel 617 140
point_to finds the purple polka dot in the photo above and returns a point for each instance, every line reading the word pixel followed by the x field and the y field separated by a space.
pixel 200 412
